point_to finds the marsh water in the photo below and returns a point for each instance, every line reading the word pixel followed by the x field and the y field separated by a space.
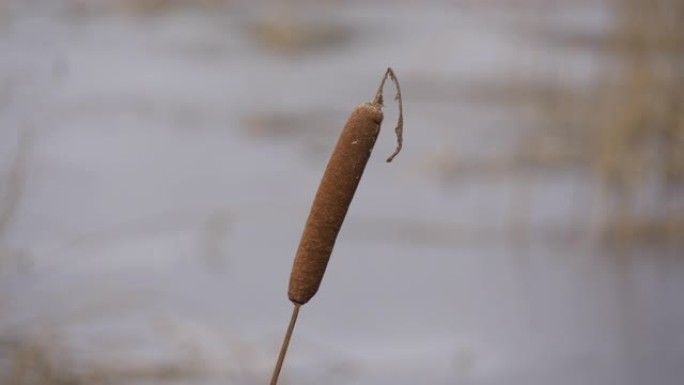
pixel 160 167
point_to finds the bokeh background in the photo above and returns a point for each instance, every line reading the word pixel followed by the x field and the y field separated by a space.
pixel 158 159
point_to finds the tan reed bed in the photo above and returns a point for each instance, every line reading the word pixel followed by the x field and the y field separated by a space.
pixel 334 195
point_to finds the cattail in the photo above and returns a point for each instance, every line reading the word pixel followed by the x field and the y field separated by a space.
pixel 334 195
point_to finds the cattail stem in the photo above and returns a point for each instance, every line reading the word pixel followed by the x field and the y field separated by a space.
pixel 286 343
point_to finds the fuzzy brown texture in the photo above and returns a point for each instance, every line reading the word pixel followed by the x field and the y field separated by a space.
pixel 335 193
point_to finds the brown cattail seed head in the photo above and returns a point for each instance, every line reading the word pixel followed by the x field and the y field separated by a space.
pixel 335 193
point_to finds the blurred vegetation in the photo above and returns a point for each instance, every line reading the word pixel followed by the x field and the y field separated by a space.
pixel 38 362
pixel 638 128
pixel 627 129
pixel 140 7
pixel 642 121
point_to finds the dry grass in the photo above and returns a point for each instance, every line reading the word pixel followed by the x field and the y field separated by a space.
pixel 626 130
pixel 33 364
pixel 44 358
pixel 289 35
pixel 635 134
pixel 13 184
pixel 139 7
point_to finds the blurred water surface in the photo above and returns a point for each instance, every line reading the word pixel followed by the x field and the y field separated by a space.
pixel 158 160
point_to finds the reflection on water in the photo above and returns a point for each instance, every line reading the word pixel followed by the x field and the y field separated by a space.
pixel 158 160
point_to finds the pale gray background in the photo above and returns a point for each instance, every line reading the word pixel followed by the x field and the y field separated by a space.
pixel 165 160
